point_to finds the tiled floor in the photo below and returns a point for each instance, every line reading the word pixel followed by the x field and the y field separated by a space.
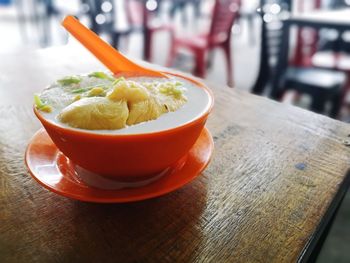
pixel 246 59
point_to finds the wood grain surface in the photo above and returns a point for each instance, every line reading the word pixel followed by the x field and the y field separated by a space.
pixel 274 173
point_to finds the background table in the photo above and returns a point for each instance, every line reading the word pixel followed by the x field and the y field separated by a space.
pixel 331 19
pixel 339 19
pixel 277 175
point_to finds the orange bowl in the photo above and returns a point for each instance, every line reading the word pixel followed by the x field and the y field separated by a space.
pixel 128 156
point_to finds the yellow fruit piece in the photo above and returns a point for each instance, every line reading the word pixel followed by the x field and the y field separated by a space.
pixel 95 113
pixel 171 103
pixel 46 108
pixel 145 110
pixel 129 91
pixel 78 97
pixel 97 91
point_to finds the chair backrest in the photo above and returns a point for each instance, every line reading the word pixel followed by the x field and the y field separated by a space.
pixel 100 20
pixel 271 37
pixel 307 38
pixel 272 27
pixel 224 14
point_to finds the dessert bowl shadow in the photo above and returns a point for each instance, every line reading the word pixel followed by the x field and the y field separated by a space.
pixel 128 156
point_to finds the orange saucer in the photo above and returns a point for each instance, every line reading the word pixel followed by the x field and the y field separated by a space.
pixel 50 168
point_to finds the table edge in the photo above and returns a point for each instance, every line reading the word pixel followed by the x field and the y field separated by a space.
pixel 312 248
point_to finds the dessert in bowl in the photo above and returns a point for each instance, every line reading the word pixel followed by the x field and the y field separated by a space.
pixel 124 128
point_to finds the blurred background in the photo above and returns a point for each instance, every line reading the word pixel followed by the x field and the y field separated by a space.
pixel 233 42
pixel 293 51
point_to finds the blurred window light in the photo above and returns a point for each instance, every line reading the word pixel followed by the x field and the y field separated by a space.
pixel 100 19
pixel 106 7
pixel 268 18
pixel 84 8
pixel 346 36
pixel 276 25
pixel 333 34
pixel 284 15
pixel 151 5
pixel 275 8
pixel 329 34
pixel 266 8
pixel 347 2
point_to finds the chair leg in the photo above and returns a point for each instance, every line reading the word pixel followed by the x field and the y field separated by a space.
pixel 36 18
pixel 345 91
pixel 336 105
pixel 318 103
pixel 126 41
pixel 21 20
pixel 150 40
pixel 227 50
pixel 200 67
pixel 251 30
pixel 147 44
pixel 115 40
pixel 210 59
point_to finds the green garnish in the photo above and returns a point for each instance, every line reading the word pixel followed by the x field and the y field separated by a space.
pixel 38 102
pixel 46 108
pixel 171 89
pixel 69 80
pixel 97 91
pixel 100 75
pixel 79 90
pixel 118 80
pixel 40 105
pixel 178 83
pixel 82 90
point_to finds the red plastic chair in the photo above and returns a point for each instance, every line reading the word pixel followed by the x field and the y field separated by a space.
pixel 139 18
pixel 135 10
pixel 224 14
pixel 306 44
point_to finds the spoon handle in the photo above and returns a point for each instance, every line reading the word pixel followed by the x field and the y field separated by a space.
pixel 115 61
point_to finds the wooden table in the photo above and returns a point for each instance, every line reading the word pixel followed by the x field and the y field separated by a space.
pixel 276 178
